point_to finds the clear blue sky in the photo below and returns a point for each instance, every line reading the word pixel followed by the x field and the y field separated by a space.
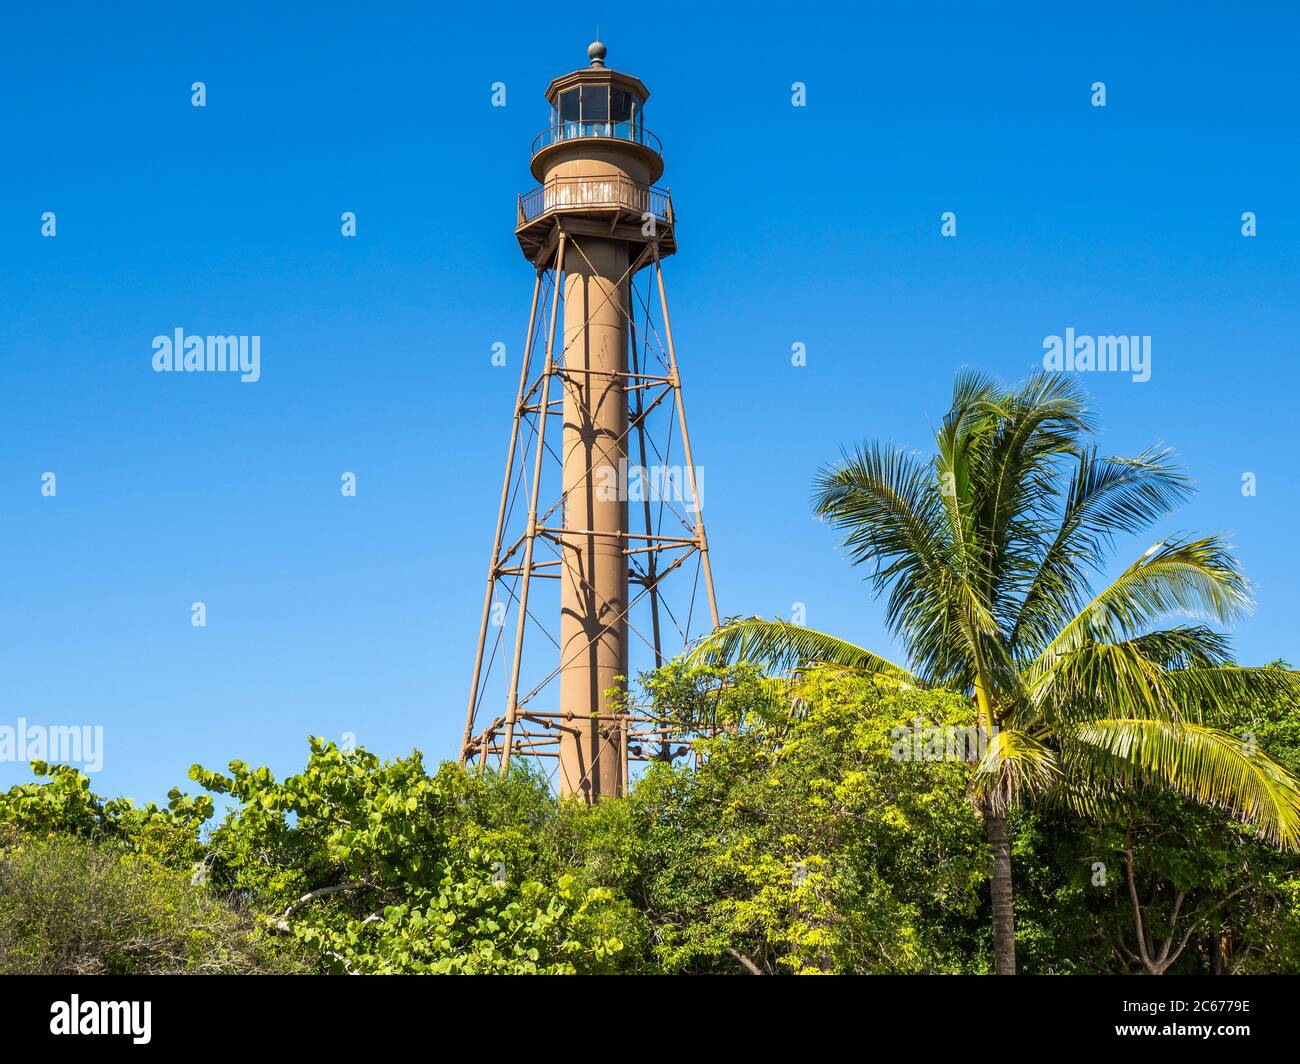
pixel 817 225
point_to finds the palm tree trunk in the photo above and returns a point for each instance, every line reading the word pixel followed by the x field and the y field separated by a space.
pixel 1004 930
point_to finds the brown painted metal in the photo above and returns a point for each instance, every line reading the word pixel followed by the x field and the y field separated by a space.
pixel 593 225
pixel 686 440
pixel 501 520
pixel 593 626
pixel 548 371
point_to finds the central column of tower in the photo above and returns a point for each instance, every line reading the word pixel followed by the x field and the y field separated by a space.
pixel 594 580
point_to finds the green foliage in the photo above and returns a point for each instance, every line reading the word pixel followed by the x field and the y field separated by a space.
pixel 985 553
pixel 66 806
pixel 474 923
pixel 806 837
pixel 800 844
pixel 72 906
pixel 1195 869
pixel 379 867
pixel 95 886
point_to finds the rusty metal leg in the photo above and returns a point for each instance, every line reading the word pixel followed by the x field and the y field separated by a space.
pixel 465 745
pixel 548 371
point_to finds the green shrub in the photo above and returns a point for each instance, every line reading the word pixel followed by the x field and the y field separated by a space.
pixel 70 906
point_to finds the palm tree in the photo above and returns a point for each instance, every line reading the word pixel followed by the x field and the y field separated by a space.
pixel 987 552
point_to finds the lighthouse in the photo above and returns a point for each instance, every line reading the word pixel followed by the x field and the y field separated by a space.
pixel 599 394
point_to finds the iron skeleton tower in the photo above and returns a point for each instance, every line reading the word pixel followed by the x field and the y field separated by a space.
pixel 601 496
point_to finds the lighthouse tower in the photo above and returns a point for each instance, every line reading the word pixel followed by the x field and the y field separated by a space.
pixel 602 498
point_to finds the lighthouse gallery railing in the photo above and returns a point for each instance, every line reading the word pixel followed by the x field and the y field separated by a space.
pixel 583 193
pixel 633 131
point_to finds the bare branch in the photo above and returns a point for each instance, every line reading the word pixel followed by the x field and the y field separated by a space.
pixel 282 924
pixel 745 962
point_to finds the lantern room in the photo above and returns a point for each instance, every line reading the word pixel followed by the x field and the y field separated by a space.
pixel 597 104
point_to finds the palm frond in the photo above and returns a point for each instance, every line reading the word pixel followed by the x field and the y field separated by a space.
pixel 1188 646
pixel 1203 763
pixel 997 454
pixel 890 506
pixel 1105 496
pixel 1132 678
pixel 1014 764
pixel 1102 679
pixel 788 647
pixel 891 509
pixel 1211 692
pixel 1192 578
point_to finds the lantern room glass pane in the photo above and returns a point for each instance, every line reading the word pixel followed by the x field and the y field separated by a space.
pixel 595 104
pixel 569 106
pixel 598 110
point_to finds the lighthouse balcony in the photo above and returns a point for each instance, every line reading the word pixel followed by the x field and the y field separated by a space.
pixel 632 131
pixel 595 194
pixel 610 203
